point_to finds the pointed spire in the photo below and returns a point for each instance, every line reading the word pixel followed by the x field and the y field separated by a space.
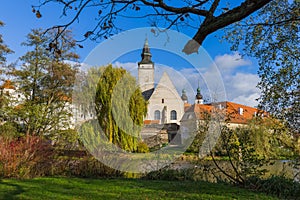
pixel 198 96
pixel 146 55
pixel 183 96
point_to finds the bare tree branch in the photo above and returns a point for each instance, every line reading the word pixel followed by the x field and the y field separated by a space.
pixel 165 11
pixel 212 24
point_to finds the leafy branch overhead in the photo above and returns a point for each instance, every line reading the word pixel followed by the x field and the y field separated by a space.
pixel 204 16
pixel 272 37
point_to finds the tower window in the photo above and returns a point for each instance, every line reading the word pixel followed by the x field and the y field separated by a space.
pixel 173 115
pixel 162 100
pixel 157 115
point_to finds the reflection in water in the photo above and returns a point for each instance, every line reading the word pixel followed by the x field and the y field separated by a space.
pixel 279 167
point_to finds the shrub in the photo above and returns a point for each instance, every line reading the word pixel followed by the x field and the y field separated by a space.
pixel 85 167
pixel 279 186
pixel 25 157
pixel 170 174
pixel 142 147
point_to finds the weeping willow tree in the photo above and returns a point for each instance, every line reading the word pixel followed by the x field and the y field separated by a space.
pixel 120 108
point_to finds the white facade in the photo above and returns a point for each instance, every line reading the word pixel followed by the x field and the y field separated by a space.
pixel 14 96
pixel 165 104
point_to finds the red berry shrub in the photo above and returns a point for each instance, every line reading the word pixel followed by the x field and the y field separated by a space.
pixel 25 157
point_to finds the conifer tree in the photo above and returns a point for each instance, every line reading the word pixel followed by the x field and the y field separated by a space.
pixel 44 81
pixel 4 50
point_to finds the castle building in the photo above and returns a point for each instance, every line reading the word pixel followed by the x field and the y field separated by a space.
pixel 165 104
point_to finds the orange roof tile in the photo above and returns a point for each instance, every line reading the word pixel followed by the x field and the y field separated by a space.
pixel 234 116
pixel 186 106
pixel 147 122
pixel 235 113
pixel 7 85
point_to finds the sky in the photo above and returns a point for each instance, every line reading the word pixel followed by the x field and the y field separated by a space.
pixel 237 75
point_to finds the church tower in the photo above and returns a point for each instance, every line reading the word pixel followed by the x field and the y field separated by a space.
pixel 184 97
pixel 146 69
pixel 198 98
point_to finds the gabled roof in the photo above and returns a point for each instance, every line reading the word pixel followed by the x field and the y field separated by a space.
pixel 147 94
pixel 200 110
pixel 235 113
pixel 164 82
pixel 186 106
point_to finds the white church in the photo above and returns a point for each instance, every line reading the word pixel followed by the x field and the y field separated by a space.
pixel 165 104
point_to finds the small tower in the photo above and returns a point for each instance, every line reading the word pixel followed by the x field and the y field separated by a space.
pixel 146 69
pixel 184 97
pixel 198 98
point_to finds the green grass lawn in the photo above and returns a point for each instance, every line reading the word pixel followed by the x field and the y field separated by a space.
pixel 76 188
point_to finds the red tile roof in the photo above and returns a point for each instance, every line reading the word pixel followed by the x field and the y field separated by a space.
pixel 186 106
pixel 235 113
pixel 147 122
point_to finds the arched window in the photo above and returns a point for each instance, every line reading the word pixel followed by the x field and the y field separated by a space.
pixel 157 115
pixel 173 115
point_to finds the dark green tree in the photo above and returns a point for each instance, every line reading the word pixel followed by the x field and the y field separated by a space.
pixel 272 36
pixel 120 108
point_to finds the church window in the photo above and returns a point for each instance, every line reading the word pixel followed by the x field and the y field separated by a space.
pixel 173 115
pixel 157 115
pixel 162 100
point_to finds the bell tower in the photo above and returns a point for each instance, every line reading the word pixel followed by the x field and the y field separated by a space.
pixel 146 69
pixel 198 98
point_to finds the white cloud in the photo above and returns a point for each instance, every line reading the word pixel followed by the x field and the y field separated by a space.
pixel 131 67
pixel 249 100
pixel 228 62
pixel 245 82
pixel 241 88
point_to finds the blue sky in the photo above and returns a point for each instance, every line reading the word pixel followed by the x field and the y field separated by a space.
pixel 238 74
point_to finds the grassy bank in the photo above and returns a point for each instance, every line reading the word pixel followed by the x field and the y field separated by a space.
pixel 75 188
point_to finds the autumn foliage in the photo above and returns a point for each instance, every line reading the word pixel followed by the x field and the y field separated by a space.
pixel 25 157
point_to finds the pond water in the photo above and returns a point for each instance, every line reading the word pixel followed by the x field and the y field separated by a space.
pixel 206 170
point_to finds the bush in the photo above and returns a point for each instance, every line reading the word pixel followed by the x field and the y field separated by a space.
pixel 279 186
pixel 171 174
pixel 84 167
pixel 142 147
pixel 25 157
